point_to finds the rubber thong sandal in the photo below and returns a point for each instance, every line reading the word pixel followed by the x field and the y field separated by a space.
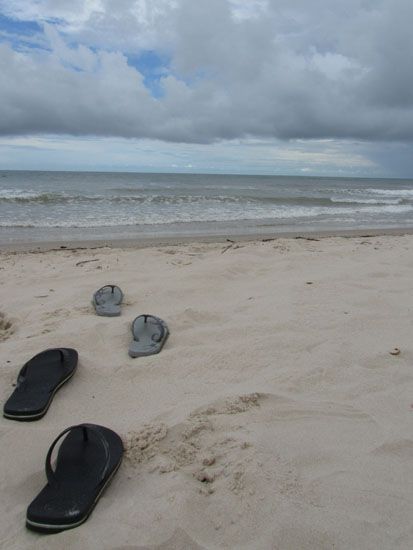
pixel 38 381
pixel 149 335
pixel 87 460
pixel 107 301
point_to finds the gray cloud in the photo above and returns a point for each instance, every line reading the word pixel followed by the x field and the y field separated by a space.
pixel 276 69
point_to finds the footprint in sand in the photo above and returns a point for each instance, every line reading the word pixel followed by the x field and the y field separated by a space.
pixel 6 327
pixel 193 317
pixel 401 448
pixel 181 263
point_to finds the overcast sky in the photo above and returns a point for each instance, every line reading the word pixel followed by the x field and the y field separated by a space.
pixel 252 86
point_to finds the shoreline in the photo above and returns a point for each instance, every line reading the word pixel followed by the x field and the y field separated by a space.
pixel 150 241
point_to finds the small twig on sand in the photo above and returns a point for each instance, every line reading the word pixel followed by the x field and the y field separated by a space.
pixel 226 248
pixel 307 238
pixel 86 261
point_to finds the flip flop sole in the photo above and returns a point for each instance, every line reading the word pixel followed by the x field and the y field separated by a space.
pixel 43 378
pixel 53 528
pixel 135 353
pixel 108 313
pixel 37 416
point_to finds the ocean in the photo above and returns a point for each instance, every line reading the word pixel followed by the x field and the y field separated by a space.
pixel 73 206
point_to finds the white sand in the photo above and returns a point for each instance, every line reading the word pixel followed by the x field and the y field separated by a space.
pixel 274 418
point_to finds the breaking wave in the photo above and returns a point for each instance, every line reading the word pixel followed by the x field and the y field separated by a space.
pixel 211 214
pixel 47 198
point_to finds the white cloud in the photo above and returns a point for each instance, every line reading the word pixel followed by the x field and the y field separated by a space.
pixel 335 66
pixel 247 9
pixel 266 68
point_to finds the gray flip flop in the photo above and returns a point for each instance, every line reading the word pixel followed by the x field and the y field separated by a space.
pixel 149 335
pixel 107 300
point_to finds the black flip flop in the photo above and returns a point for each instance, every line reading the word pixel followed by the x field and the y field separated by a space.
pixel 87 460
pixel 38 381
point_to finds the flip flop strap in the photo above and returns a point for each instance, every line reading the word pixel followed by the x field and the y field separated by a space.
pixel 99 292
pixel 157 322
pixel 108 286
pixel 51 478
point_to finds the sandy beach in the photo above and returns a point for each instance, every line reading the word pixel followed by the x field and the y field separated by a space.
pixel 275 417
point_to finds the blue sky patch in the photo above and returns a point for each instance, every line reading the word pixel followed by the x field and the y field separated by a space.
pixel 30 34
pixel 21 35
pixel 26 28
pixel 152 66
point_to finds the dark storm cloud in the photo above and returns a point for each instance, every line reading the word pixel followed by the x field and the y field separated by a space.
pixel 239 68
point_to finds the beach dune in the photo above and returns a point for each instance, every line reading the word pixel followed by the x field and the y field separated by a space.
pixel 277 416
